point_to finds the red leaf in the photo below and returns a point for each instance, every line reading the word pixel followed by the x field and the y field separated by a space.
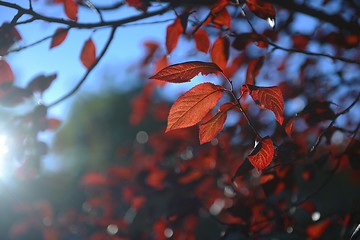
pixel 222 18
pixel 219 5
pixel 316 230
pixel 300 41
pixel 261 156
pixel 139 4
pixel 268 97
pixel 262 9
pixel 93 179
pixel 202 40
pixel 253 69
pixel 184 72
pixel 159 65
pixel 6 74
pixel 212 127
pixel 59 37
pixel 191 107
pixel 289 128
pixel 173 33
pixel 151 49
pixel 220 52
pixel 53 123
pixel 71 9
pixel 88 53
pixel 41 83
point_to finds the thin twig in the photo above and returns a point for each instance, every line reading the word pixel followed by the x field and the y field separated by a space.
pixel 74 24
pixel 237 102
pixel 35 43
pixel 322 134
pixel 294 50
pixel 82 80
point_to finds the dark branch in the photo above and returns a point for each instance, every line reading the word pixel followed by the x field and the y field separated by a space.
pixel 73 24
pixel 82 80
pixel 335 20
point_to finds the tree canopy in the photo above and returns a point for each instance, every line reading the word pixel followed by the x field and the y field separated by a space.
pixel 260 139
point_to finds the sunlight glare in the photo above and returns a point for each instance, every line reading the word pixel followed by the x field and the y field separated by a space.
pixel 4 149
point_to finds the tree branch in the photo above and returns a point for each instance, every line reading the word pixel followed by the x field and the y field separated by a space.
pixel 294 50
pixel 116 23
pixel 82 80
pixel 335 20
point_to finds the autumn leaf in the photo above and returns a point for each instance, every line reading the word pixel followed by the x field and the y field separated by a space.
pixel 289 128
pixel 139 4
pixel 222 18
pixel 202 40
pixel 6 74
pixel 59 37
pixel 192 106
pixel 41 83
pixel 211 128
pixel 263 10
pixel 220 52
pixel 173 33
pixel 253 70
pixel 261 156
pixel 184 72
pixel 267 97
pixel 71 9
pixel 317 229
pixel 88 54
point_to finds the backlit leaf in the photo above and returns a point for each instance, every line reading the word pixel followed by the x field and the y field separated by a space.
pixel 202 40
pixel 71 9
pixel 191 107
pixel 88 53
pixel 261 156
pixel 173 33
pixel 253 70
pixel 184 72
pixel 41 83
pixel 211 128
pixel 220 52
pixel 268 97
pixel 6 74
pixel 59 37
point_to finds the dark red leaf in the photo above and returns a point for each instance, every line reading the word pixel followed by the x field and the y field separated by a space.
pixel 262 9
pixel 211 128
pixel 262 155
pixel 202 40
pixel 88 54
pixel 173 33
pixel 220 52
pixel 11 95
pixel 253 70
pixel 317 229
pixel 41 83
pixel 139 4
pixel 191 107
pixel 71 9
pixel 59 37
pixel 184 72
